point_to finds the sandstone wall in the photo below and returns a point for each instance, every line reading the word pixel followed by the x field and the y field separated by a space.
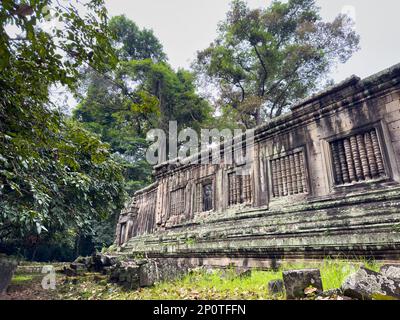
pixel 325 173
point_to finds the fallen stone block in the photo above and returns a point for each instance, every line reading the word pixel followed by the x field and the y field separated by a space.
pixel 78 267
pixel 276 287
pixel 368 285
pixel 87 261
pixel 244 273
pixel 7 268
pixel 100 261
pixel 148 274
pixel 297 281
pixel 125 274
pixel 391 271
pixel 331 293
pixel 235 271
pixel 69 272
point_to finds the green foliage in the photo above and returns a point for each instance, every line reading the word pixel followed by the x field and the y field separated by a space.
pixel 133 43
pixel 264 59
pixel 122 106
pixel 20 279
pixel 35 56
pixel 68 180
pixel 175 93
pixel 144 93
pixel 55 176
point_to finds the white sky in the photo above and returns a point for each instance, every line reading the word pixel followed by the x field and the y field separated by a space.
pixel 186 26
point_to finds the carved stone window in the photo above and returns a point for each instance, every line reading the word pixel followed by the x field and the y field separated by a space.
pixel 239 188
pixel 204 197
pixel 289 175
pixel 357 158
pixel 177 202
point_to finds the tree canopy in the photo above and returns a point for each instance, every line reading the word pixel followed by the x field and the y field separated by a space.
pixel 132 43
pixel 64 179
pixel 54 174
pixel 264 59
pixel 143 93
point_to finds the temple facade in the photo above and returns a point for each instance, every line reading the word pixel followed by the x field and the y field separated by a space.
pixel 323 179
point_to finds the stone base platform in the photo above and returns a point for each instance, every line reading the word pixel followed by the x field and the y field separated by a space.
pixel 355 226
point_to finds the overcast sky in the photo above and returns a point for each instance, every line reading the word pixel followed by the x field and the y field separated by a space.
pixel 186 26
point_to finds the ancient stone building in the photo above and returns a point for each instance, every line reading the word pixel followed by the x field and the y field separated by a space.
pixel 323 180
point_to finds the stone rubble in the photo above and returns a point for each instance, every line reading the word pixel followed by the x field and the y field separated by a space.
pixel 296 281
pixel 297 284
pixel 391 271
pixel 7 268
pixel 276 287
pixel 366 284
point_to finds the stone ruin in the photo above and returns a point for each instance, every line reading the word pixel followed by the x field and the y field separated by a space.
pixel 324 181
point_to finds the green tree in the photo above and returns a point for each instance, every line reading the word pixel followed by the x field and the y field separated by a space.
pixel 265 59
pixel 144 93
pixel 122 121
pixel 175 92
pixel 55 177
pixel 133 43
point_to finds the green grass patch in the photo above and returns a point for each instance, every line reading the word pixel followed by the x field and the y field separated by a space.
pixel 202 284
pixel 21 279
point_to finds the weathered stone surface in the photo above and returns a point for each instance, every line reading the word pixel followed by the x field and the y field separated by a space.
pixel 244 273
pixel 367 285
pixel 133 274
pixel 148 274
pixel 84 260
pixel 296 281
pixel 98 261
pixel 79 267
pixel 235 271
pixel 276 287
pixel 125 274
pixel 391 271
pixel 69 272
pixel 323 181
pixel 7 268
pixel 331 293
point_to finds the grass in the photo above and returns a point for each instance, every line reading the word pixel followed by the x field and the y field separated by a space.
pixel 216 285
pixel 202 284
pixel 20 279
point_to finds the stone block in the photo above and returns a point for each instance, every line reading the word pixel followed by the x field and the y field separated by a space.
pixel 393 106
pixel 276 287
pixel 244 273
pixel 296 281
pixel 331 293
pixel 394 129
pixel 78 267
pixel 368 285
pixel 391 271
pixel 126 274
pixel 99 261
pixel 148 274
pixel 7 269
pixel 392 116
